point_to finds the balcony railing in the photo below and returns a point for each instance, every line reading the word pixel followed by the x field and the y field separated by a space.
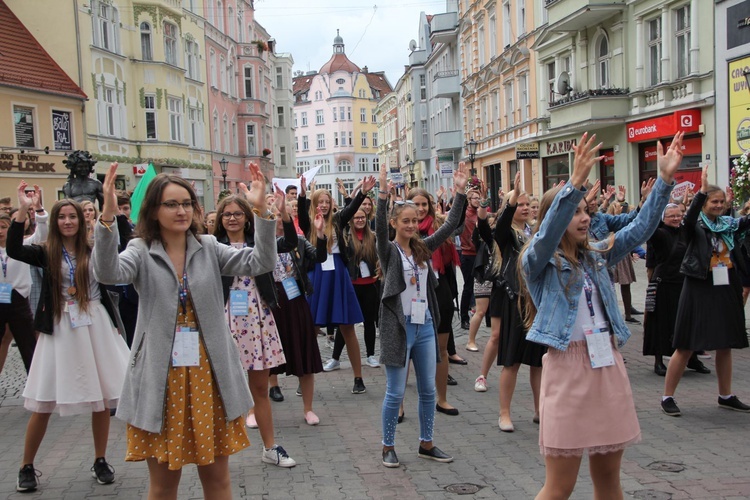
pixel 447 84
pixel 446 74
pixel 588 94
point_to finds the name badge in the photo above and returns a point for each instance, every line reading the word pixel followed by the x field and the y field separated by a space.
pixel 599 345
pixel 78 318
pixel 329 265
pixel 364 270
pixel 6 290
pixel 185 347
pixel 418 311
pixel 238 303
pixel 720 275
pixel 290 288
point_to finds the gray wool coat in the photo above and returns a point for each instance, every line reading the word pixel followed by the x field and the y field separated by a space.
pixel 155 279
pixel 392 323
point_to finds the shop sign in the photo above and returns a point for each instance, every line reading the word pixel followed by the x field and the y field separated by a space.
pixel 527 151
pixel 560 147
pixel 687 121
pixel 24 163
pixel 690 147
pixel 445 166
pixel 738 22
pixel 140 170
pixel 61 130
pixel 739 101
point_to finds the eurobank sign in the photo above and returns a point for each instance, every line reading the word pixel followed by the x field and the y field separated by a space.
pixel 687 120
pixel 739 102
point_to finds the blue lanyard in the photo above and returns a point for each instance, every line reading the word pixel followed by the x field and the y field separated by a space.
pixel 588 287
pixel 183 288
pixel 71 267
pixel 413 265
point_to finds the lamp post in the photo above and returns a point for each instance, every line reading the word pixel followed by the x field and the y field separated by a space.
pixel 472 147
pixel 224 163
pixel 410 167
pixel 746 74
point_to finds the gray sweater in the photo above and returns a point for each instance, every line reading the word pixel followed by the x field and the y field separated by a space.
pixel 154 277
pixel 392 324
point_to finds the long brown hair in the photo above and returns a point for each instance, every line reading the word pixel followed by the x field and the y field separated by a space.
pixel 419 249
pixel 219 230
pixel 81 252
pixel 328 225
pixel 148 226
pixel 365 249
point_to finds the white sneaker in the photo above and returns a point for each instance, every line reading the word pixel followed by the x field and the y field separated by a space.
pixel 250 421
pixel 480 384
pixel 277 455
pixel 373 362
pixel 331 364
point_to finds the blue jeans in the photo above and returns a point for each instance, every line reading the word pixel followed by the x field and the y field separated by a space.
pixel 420 349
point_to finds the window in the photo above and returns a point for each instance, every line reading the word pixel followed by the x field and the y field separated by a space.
pixel 212 68
pixel 363 164
pixel 191 54
pixel 521 6
pixel 250 139
pixel 551 76
pixel 342 115
pixel 555 169
pixel 304 119
pixel 147 53
pixel 231 76
pixel 364 139
pixel 496 110
pixel 150 106
pixel 363 115
pixel 523 84
pixel 296 143
pixel 302 167
pixel 335 139
pixel 374 117
pixel 220 16
pixel 305 143
pixel 217 139
pixel 106 27
pixel 506 23
pixel 321 141
pixel 225 131
pixel 248 82
pixel 319 117
pixel 174 106
pixel 349 113
pixel 295 120
pixel 110 111
pixel 235 149
pixel 230 21
pixel 509 108
pixel 682 34
pixel 423 126
pixel 279 78
pixel 318 95
pixel 350 138
pixel 340 81
pixel 376 164
pixel 335 115
pixel 170 44
pixel 344 166
pixel 222 74
pixel 654 51
pixel 602 62
pixel 23 122
pixel 325 167
pixel 485 125
pixel 493 35
pixel 280 116
pixel 422 87
pixel 362 94
pixel 374 139
pixel 480 45
pixel 194 122
pixel 282 156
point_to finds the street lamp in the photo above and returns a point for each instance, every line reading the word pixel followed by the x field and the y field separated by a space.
pixel 224 163
pixel 410 167
pixel 472 146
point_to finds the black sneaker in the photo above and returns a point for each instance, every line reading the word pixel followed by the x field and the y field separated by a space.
pixel 103 472
pixel 275 394
pixel 733 403
pixel 390 459
pixel 27 478
pixel 669 407
pixel 359 386
pixel 435 454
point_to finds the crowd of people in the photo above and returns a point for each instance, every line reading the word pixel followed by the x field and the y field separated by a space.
pixel 181 322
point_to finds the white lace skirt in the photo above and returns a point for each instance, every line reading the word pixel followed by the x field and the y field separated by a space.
pixel 77 370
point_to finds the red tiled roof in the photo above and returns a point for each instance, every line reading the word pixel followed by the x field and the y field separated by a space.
pixel 339 62
pixel 378 81
pixel 25 64
pixel 301 84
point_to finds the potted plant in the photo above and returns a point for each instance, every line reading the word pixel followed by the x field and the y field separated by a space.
pixel 266 151
pixel 262 46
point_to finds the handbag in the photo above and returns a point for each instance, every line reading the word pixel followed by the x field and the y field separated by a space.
pixel 651 295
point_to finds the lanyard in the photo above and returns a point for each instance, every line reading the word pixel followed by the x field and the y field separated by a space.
pixel 588 287
pixel 183 289
pixel 4 261
pixel 414 268
pixel 71 271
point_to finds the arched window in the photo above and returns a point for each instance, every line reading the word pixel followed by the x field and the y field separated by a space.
pixel 170 44
pixel 147 54
pixel 217 137
pixel 602 61
pixel 230 21
pixel 106 19
pixel 345 166
pixel 226 134
pixel 220 16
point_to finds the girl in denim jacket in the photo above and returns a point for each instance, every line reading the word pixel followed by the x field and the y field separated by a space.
pixel 572 309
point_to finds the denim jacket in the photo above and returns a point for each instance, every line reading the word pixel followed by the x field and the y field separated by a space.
pixel 603 224
pixel 555 285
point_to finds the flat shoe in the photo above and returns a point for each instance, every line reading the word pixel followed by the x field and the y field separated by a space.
pixel 535 419
pixel 435 454
pixel 311 418
pixel 660 370
pixel 447 411
pixel 390 459
pixel 697 365
pixel 451 380
pixel 632 321
pixel 250 421
pixel 275 394
pixel 458 361
pixel 505 427
pixel 472 348
pixel 400 417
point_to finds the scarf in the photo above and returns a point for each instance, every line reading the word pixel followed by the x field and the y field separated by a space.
pixel 445 253
pixel 724 226
pixel 359 233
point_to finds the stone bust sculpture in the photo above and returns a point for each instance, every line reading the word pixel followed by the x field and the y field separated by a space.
pixel 80 186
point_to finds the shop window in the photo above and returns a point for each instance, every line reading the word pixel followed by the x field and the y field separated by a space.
pixel 556 169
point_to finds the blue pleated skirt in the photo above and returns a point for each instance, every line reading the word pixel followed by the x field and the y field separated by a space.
pixel 333 301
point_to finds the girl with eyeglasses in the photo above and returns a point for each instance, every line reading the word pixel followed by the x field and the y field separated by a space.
pixel 333 301
pixel 409 312
pixel 249 300
pixel 80 358
pixel 185 397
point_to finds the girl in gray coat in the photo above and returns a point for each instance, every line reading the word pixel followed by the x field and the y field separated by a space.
pixel 409 312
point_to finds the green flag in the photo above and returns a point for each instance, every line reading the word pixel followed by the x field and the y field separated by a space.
pixel 140 192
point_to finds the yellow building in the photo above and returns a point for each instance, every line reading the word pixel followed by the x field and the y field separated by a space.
pixel 42 109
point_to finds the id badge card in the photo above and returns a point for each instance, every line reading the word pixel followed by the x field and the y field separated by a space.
pixel 329 265
pixel 599 345
pixel 418 311
pixel 185 347
pixel 290 288
pixel 78 318
pixel 238 302
pixel 364 271
pixel 720 275
pixel 6 290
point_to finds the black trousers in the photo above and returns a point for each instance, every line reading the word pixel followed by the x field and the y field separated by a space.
pixel 17 316
pixel 467 296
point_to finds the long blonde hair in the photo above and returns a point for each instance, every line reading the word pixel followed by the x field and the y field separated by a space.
pixel 328 226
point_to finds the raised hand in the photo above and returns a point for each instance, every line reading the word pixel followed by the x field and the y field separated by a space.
pixel 646 187
pixel 257 194
pixel 609 193
pixel 460 178
pixel 279 202
pixel 516 190
pixel 383 182
pixel 24 200
pixel 368 183
pixel 319 224
pixel 704 180
pixel 670 160
pixel 730 197
pixel 483 190
pixel 441 192
pixel 302 187
pixel 621 193
pixel 586 156
pixel 594 191
pixel 36 198
pixel 109 210
pixel 341 188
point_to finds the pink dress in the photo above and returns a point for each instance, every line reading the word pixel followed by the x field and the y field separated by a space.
pixel 255 334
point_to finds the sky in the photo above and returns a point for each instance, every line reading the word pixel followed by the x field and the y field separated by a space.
pixel 376 33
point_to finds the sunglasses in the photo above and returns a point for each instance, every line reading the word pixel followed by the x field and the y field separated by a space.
pixel 404 202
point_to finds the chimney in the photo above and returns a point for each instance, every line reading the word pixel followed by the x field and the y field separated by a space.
pixel 364 70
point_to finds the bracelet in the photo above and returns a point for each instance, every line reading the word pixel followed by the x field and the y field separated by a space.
pixel 484 203
pixel 107 224
pixel 40 211
pixel 268 215
pixel 380 191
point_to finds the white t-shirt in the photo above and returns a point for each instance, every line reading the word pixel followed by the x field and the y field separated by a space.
pixel 411 289
pixel 584 315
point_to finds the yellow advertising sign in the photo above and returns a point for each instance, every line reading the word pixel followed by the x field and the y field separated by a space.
pixel 739 107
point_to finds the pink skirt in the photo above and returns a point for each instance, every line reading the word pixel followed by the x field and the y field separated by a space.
pixel 582 408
